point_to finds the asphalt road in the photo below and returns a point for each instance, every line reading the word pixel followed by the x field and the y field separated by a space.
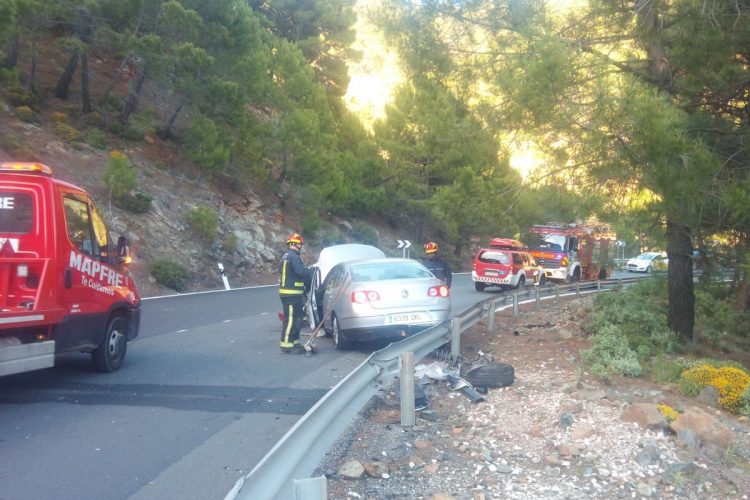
pixel 203 395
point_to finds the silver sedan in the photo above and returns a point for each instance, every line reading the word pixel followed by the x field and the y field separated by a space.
pixel 381 299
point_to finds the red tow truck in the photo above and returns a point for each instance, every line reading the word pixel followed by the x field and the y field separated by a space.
pixel 64 284
pixel 572 252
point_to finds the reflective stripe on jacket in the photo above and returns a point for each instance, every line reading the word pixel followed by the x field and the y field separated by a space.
pixel 293 274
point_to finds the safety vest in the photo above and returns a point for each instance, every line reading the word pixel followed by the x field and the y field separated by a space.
pixel 292 282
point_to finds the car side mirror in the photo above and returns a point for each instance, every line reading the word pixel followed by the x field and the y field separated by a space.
pixel 123 251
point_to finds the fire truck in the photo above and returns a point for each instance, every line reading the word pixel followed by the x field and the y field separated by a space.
pixel 64 284
pixel 572 252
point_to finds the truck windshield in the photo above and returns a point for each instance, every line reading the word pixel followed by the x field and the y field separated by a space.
pixel 554 242
pixel 16 213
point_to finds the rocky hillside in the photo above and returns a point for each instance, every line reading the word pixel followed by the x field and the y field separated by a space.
pixel 256 218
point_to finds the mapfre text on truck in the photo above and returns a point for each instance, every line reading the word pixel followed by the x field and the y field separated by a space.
pixel 64 284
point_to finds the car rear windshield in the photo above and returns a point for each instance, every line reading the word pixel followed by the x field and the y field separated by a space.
pixel 16 213
pixel 388 271
pixel 494 257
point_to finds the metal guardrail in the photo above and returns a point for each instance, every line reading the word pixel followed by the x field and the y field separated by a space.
pixel 296 455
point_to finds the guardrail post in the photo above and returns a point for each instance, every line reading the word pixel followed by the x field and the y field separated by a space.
pixel 578 288
pixel 515 303
pixel 557 294
pixel 491 317
pixel 406 362
pixel 456 338
pixel 536 297
pixel 598 285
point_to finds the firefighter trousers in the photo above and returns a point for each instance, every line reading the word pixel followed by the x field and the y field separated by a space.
pixel 293 317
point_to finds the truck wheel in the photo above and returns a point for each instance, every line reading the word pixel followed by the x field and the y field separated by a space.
pixel 494 375
pixel 110 354
pixel 339 342
pixel 478 286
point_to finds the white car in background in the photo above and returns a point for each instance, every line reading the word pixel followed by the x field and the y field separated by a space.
pixel 648 262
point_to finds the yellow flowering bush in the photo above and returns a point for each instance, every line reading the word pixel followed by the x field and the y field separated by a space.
pixel 58 117
pixel 730 382
pixel 736 383
pixel 668 412
pixel 117 155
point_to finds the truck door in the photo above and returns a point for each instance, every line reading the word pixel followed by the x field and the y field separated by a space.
pixel 80 254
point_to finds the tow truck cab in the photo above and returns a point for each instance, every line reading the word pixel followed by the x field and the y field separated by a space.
pixel 64 284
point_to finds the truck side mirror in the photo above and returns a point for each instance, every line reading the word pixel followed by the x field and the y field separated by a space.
pixel 123 251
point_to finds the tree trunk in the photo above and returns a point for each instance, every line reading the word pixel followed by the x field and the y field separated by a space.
pixel 63 85
pixel 681 315
pixel 31 82
pixel 166 130
pixel 11 59
pixel 85 81
pixel 116 78
pixel 131 102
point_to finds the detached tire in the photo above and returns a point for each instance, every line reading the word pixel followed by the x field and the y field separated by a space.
pixel 494 375
pixel 110 354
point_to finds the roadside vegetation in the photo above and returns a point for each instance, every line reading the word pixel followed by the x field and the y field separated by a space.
pixel 630 337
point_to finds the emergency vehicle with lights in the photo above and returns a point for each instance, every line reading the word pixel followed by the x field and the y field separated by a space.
pixel 507 263
pixel 64 285
pixel 572 252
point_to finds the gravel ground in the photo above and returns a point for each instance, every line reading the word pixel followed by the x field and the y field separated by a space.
pixel 555 433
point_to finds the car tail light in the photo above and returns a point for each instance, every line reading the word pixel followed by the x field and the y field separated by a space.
pixel 364 296
pixel 438 291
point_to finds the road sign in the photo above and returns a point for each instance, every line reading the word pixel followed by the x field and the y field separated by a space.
pixel 404 245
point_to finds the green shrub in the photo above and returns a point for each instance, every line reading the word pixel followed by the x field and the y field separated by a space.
pixel 19 96
pixel 9 77
pixel 744 406
pixel 17 149
pixel 169 273
pixel 204 222
pixel 138 203
pixel 363 233
pixel 665 371
pixel 206 145
pixel 138 126
pixel 120 177
pixel 640 314
pixel 26 114
pixel 66 132
pixel 310 222
pixel 230 243
pixel 610 354
pixel 95 138
pixel 331 237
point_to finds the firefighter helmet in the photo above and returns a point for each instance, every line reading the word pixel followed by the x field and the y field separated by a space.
pixel 295 239
pixel 430 247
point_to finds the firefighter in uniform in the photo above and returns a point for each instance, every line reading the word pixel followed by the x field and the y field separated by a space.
pixel 436 264
pixel 294 276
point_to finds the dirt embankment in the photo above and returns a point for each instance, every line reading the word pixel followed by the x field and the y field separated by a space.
pixel 556 432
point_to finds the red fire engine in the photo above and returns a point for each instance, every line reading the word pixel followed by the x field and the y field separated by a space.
pixel 64 285
pixel 572 252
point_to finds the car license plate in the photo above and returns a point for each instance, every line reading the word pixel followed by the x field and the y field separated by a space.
pixel 406 318
pixel 490 273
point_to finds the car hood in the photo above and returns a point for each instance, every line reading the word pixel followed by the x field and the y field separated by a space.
pixel 336 254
